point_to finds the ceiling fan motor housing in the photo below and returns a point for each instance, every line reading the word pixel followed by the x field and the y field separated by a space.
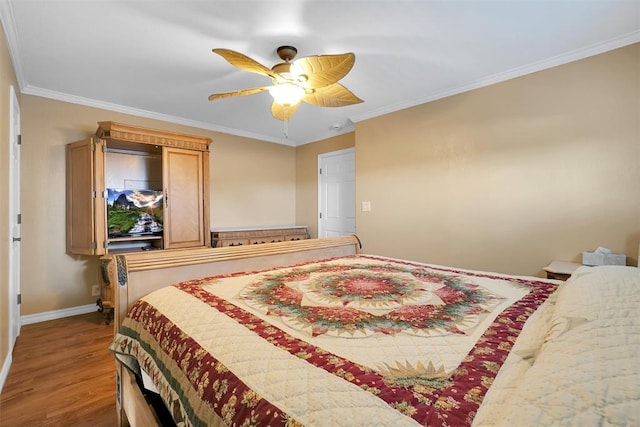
pixel 282 68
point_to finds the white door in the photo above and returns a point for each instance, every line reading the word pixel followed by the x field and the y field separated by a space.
pixel 337 193
pixel 14 218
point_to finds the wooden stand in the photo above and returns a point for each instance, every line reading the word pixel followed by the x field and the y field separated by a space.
pixel 560 270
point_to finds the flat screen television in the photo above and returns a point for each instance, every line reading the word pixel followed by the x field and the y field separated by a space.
pixel 132 213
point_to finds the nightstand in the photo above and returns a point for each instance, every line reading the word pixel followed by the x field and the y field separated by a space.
pixel 561 270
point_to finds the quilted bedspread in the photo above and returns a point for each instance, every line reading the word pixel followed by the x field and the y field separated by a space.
pixel 357 340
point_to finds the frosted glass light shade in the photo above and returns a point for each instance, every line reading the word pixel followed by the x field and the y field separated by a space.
pixel 286 94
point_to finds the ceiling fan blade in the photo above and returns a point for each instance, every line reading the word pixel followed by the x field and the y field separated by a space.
pixel 237 93
pixel 245 63
pixel 323 70
pixel 283 113
pixel 334 95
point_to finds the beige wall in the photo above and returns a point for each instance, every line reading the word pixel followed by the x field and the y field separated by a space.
pixel 511 176
pixel 307 177
pixel 251 182
pixel 7 79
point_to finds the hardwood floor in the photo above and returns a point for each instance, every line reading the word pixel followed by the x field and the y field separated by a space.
pixel 62 375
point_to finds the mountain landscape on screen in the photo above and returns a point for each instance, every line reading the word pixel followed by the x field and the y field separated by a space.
pixel 134 212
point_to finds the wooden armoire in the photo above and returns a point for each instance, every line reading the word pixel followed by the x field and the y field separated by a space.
pixel 168 168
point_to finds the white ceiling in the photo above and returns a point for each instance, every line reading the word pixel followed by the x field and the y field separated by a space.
pixel 154 59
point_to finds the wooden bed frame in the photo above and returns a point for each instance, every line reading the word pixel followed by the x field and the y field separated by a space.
pixel 137 274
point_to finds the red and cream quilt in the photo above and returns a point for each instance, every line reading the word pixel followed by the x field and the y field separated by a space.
pixel 357 340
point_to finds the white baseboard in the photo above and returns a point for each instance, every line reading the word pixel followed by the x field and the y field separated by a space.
pixel 4 373
pixel 57 314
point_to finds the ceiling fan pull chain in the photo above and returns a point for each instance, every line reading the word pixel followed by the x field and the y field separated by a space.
pixel 286 128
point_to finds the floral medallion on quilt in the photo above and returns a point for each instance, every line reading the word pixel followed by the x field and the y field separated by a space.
pixel 356 300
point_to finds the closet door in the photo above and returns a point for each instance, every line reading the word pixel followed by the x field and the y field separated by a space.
pixel 183 178
pixel 86 209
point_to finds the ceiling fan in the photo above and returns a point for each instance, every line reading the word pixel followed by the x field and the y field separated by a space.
pixel 313 80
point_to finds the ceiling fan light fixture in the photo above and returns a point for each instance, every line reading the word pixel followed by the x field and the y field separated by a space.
pixel 286 94
pixel 312 79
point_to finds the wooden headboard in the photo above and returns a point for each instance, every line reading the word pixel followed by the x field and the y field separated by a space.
pixel 136 274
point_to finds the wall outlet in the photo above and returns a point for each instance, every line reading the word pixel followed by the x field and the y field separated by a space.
pixel 95 291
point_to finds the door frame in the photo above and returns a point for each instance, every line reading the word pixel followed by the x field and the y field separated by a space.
pixel 321 157
pixel 14 215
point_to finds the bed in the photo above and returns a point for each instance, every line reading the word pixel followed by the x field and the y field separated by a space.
pixel 316 333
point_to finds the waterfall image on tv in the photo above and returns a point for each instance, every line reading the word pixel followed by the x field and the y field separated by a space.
pixel 133 212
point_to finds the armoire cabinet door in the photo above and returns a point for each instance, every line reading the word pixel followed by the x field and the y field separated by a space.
pixel 184 198
pixel 85 201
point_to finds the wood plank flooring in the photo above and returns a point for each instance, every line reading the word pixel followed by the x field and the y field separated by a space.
pixel 62 375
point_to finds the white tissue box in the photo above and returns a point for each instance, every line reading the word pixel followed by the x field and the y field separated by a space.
pixel 598 258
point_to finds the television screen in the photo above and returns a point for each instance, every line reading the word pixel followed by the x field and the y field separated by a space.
pixel 133 212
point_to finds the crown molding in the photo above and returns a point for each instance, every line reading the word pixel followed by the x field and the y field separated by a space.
pixel 349 127
pixel 73 99
pixel 575 55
